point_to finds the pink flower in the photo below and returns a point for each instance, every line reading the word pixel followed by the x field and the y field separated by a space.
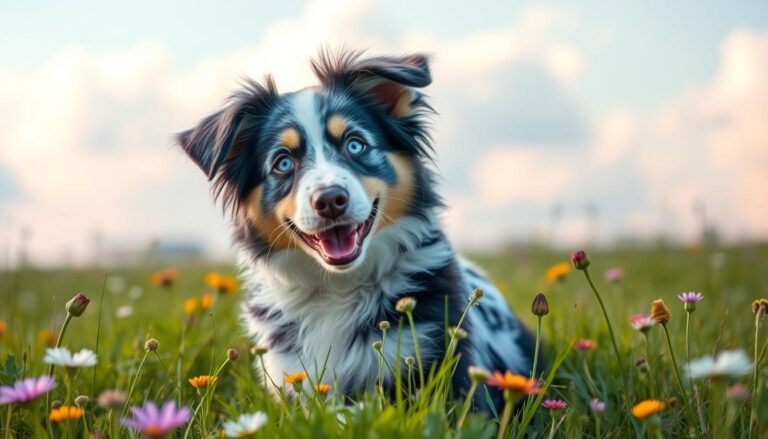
pixel 157 423
pixel 614 275
pixel 26 390
pixel 584 345
pixel 738 392
pixel 597 406
pixel 642 322
pixel 554 404
pixel 690 299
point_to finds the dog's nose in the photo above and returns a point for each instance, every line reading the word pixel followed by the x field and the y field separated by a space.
pixel 330 202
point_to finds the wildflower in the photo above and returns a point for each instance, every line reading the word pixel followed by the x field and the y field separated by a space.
pixel 726 363
pixel 457 333
pixel 478 374
pixel 322 389
pixel 246 425
pixel 3 328
pixel 540 307
pixel 233 354
pixel 554 404
pixel 405 305
pixel 202 381
pixel 66 413
pixel 77 305
pixel 515 383
pixel 165 277
pixel 206 302
pixel 111 398
pixel 760 306
pixel 659 312
pixel 597 406
pixel 584 345
pixel 26 390
pixel 476 295
pixel 580 260
pixel 383 325
pixel 156 422
pixel 614 275
pixel 190 306
pixel 151 345
pixel 46 337
pixel 738 392
pixel 295 378
pixel 63 357
pixel 221 283
pixel 558 272
pixel 410 361
pixel 81 401
pixel 642 322
pixel 690 299
pixel 124 311
pixel 647 408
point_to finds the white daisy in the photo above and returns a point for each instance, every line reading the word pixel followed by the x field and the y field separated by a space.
pixel 62 357
pixel 726 363
pixel 245 425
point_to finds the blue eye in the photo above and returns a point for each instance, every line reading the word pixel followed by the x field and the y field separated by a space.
pixel 355 146
pixel 283 164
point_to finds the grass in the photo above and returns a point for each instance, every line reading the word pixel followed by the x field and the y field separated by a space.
pixel 192 345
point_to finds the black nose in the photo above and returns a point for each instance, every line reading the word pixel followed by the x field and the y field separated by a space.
pixel 330 202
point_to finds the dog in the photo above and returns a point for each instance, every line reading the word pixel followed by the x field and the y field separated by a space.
pixel 333 204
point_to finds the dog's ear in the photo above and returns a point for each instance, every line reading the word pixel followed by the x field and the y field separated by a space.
pixel 388 81
pixel 213 142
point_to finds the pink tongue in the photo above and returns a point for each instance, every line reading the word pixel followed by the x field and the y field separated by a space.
pixel 339 242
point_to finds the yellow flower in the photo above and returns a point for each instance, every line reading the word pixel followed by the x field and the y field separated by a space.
pixel 46 337
pixel 2 328
pixel 202 381
pixel 66 413
pixel 647 408
pixel 322 389
pixel 558 272
pixel 660 312
pixel 206 302
pixel 515 383
pixel 164 277
pixel 190 306
pixel 295 378
pixel 221 283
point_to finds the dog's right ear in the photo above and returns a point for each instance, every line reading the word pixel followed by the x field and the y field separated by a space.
pixel 213 142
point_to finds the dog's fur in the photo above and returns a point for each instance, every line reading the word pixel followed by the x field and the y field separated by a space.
pixel 302 304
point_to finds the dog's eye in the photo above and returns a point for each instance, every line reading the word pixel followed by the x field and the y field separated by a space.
pixel 283 164
pixel 355 146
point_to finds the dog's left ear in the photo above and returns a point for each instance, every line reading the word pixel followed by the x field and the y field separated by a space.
pixel 388 81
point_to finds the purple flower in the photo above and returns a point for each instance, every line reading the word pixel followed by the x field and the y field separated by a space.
pixel 614 275
pixel 157 423
pixel 26 390
pixel 597 406
pixel 690 299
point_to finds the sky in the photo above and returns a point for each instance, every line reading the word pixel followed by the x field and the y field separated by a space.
pixel 577 123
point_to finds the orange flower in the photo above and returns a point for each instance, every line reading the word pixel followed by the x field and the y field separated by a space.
pixel 66 413
pixel 2 328
pixel 165 277
pixel 647 408
pixel 558 272
pixel 190 306
pixel 46 337
pixel 514 383
pixel 206 302
pixel 202 381
pixel 295 378
pixel 221 283
pixel 322 389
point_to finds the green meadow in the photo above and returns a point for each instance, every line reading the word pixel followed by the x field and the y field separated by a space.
pixel 195 326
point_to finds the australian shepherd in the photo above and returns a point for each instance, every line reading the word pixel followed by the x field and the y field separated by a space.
pixel 332 199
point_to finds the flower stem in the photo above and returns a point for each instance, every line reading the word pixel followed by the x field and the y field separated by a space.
pixel 467 405
pixel 7 434
pixel 133 385
pixel 754 374
pixel 536 349
pixel 202 400
pixel 597 427
pixel 686 401
pixel 416 350
pixel 506 414
pixel 688 345
pixel 61 336
pixel 651 386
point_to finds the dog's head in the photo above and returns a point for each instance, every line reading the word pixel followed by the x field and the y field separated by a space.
pixel 324 168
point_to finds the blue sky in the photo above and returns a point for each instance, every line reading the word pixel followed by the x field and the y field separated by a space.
pixel 634 107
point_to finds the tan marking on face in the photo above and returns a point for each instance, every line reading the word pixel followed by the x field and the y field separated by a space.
pixel 394 200
pixel 290 138
pixel 272 227
pixel 336 126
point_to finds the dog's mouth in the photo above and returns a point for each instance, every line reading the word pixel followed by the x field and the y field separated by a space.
pixel 340 244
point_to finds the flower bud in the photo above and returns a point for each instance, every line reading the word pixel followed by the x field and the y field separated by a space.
pixel 259 350
pixel 660 312
pixel 151 345
pixel 738 392
pixel 81 401
pixel 580 260
pixel 476 295
pixel 384 325
pixel 457 333
pixel 377 345
pixel 642 364
pixel 478 374
pixel 55 404
pixel 410 361
pixel 540 307
pixel 232 354
pixel 760 307
pixel 405 305
pixel 77 305
pixel 111 399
